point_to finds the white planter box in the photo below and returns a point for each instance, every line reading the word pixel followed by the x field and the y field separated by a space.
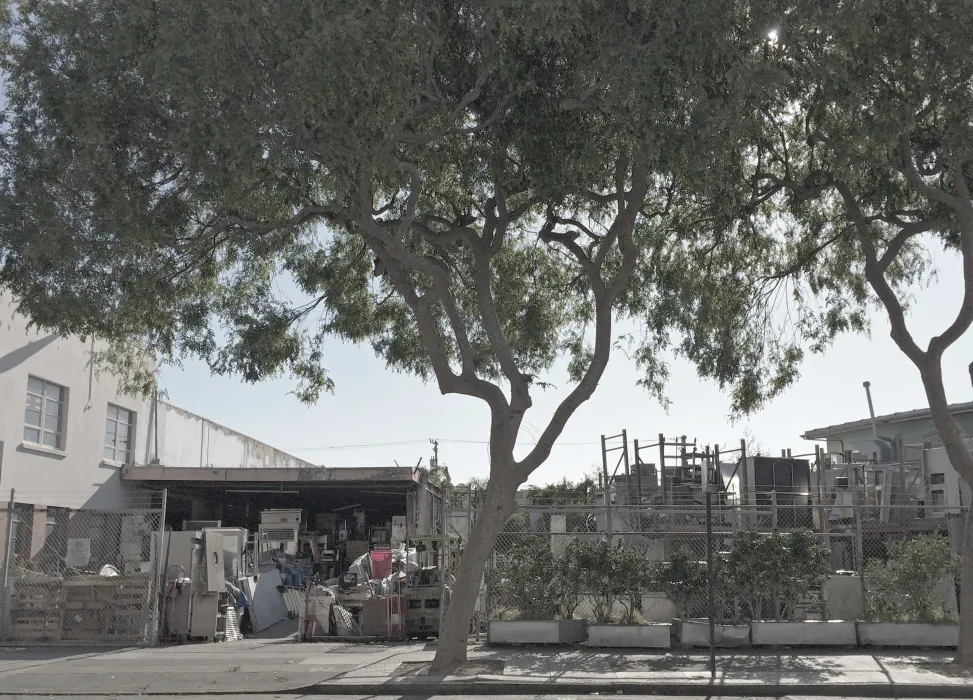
pixel 828 634
pixel 907 634
pixel 536 631
pixel 640 636
pixel 696 634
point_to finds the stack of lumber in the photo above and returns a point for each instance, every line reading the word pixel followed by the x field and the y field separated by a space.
pixel 107 609
pixel 82 608
pixel 35 613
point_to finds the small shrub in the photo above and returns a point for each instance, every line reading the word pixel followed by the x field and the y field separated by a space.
pixel 631 574
pixel 592 560
pixel 901 589
pixel 572 579
pixel 806 564
pixel 529 579
pixel 776 571
pixel 683 579
pixel 611 575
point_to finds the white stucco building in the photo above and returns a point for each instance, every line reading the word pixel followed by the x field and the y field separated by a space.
pixel 64 431
pixel 70 440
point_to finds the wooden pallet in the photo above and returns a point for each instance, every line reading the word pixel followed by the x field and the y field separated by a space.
pixel 35 628
pixel 83 609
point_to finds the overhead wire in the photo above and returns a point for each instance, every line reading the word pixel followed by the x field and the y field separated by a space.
pixel 316 448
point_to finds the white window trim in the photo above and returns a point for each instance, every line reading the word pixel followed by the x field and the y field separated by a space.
pixel 43 449
pixel 131 424
pixel 62 417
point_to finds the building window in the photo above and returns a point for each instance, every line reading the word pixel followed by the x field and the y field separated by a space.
pixel 937 478
pixel 938 498
pixel 21 531
pixel 118 434
pixel 44 418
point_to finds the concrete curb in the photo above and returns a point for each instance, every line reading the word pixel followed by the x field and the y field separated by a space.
pixel 473 688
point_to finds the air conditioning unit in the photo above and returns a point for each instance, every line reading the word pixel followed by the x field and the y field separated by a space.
pixel 280 517
pixel 277 536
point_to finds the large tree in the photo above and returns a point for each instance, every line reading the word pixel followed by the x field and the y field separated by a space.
pixel 472 188
pixel 863 156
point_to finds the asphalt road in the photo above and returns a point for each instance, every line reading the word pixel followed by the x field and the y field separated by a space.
pixel 434 697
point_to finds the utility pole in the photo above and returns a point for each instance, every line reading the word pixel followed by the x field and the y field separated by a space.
pixel 435 452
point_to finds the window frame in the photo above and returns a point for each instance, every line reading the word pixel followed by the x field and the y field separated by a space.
pixel 937 478
pixel 114 447
pixel 21 537
pixel 60 433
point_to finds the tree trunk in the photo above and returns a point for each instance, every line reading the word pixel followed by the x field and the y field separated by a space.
pixel 962 461
pixel 499 505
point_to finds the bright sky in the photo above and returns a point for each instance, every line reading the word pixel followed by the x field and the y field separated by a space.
pixel 377 417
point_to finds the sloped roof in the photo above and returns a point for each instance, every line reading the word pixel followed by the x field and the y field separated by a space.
pixel 887 419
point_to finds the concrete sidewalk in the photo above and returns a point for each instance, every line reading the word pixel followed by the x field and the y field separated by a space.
pixel 281 667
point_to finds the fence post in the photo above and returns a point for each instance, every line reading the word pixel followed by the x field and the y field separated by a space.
pixel 860 557
pixel 160 574
pixel 489 587
pixel 709 588
pixel 773 505
pixel 608 498
pixel 662 469
pixel 8 541
pixel 743 487
pixel 7 600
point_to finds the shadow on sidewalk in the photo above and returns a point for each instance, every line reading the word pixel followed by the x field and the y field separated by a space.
pixel 800 666
pixel 54 654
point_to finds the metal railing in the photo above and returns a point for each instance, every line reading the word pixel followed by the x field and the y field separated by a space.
pixel 899 564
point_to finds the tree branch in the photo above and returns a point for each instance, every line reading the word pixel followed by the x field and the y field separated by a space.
pixel 467 384
pixel 422 139
pixel 805 259
pixel 413 200
pixel 550 236
pixel 876 278
pixel 620 231
pixel 581 227
pixel 581 392
pixel 908 168
pixel 520 399
pixel 303 215
pixel 964 317
pixel 906 232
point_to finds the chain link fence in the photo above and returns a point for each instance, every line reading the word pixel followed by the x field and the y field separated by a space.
pixel 768 562
pixel 81 575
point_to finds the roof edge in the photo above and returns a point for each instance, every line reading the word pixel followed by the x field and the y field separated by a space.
pixel 887 419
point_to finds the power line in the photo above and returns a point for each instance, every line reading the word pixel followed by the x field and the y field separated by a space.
pixel 316 448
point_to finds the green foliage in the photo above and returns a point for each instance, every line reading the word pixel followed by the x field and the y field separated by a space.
pixel 902 588
pixel 683 578
pixel 859 161
pixel 750 577
pixel 573 577
pixel 439 476
pixel 466 187
pixel 562 493
pixel 596 560
pixel 631 573
pixel 611 575
pixel 529 579
pixel 779 568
